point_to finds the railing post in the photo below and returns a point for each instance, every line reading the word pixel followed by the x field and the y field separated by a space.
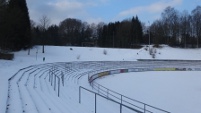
pixel 144 108
pixel 54 82
pixel 49 75
pixel 121 105
pixel 58 86
pixel 65 68
pixel 120 108
pixel 121 99
pixel 51 78
pixel 62 78
pixel 98 88
pixel 107 93
pixel 79 94
pixel 95 102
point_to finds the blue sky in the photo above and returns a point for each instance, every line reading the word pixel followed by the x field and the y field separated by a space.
pixel 94 11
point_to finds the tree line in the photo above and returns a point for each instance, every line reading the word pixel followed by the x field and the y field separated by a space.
pixel 18 32
pixel 74 32
pixel 174 28
pixel 125 34
pixel 69 32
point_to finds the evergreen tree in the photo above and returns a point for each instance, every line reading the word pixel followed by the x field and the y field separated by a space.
pixel 19 25
pixel 125 34
pixel 3 18
pixel 136 31
pixel 53 35
pixel 139 31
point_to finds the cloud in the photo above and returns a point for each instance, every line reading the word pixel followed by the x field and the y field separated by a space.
pixel 152 8
pixel 94 20
pixel 58 10
pixel 66 5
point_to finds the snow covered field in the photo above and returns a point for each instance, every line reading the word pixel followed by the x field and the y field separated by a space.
pixel 172 91
pixel 178 92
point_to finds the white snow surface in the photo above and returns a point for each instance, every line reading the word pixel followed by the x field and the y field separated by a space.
pixel 177 92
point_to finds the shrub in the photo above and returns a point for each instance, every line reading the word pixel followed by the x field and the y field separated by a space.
pixel 157 46
pixel 153 55
pixel 151 51
pixel 6 56
pixel 155 51
pixel 78 57
pixel 145 48
pixel 104 52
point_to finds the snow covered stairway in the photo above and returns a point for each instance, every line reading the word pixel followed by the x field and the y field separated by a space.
pixel 36 89
pixel 14 101
pixel 19 97
pixel 30 91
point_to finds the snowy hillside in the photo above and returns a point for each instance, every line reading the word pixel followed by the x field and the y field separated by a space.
pixel 27 98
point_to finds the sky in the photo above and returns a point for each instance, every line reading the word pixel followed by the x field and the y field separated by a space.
pixel 95 11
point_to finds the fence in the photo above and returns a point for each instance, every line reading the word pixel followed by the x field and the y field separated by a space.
pixel 121 105
pixel 135 104
pixel 124 100
pixel 54 76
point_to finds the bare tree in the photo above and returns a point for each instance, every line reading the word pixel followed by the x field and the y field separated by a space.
pixel 44 24
pixel 33 24
pixel 70 29
pixel 170 18
pixel 158 32
pixel 196 20
pixel 185 27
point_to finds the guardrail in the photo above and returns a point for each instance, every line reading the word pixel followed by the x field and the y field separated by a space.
pixel 135 104
pixel 96 94
pixel 173 60
pixel 112 95
pixel 55 75
pixel 126 100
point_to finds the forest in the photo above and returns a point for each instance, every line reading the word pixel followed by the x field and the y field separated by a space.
pixel 173 28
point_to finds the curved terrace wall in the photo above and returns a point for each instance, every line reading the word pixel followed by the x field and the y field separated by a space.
pixel 93 77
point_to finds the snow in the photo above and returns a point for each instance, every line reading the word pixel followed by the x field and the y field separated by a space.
pixel 172 91
pixel 179 92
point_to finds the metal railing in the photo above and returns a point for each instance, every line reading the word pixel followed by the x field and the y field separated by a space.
pixel 121 105
pixel 135 104
pixel 112 95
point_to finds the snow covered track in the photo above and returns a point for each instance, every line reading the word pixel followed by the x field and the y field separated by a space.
pixel 35 89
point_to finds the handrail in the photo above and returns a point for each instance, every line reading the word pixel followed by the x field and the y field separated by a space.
pixel 131 99
pixel 121 104
pixel 121 99
pixel 122 96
